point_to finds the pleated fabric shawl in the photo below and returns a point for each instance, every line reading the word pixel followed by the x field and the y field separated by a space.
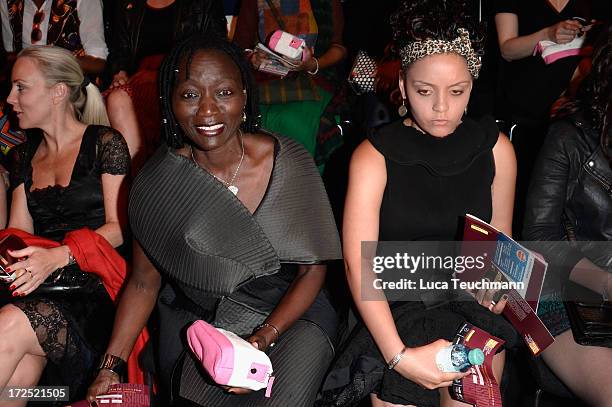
pixel 196 231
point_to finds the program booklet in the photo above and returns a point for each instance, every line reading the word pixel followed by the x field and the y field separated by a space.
pixel 122 394
pixel 479 388
pixel 511 264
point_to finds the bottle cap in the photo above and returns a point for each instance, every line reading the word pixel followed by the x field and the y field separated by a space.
pixel 476 357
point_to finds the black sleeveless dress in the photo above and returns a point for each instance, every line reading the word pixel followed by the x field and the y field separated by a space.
pixel 431 183
pixel 72 328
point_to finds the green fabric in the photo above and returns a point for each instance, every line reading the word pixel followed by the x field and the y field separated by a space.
pixel 296 120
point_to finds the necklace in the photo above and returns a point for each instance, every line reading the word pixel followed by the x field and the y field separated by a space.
pixel 230 185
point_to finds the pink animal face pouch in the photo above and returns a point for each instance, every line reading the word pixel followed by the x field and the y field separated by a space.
pixel 229 359
pixel 287 44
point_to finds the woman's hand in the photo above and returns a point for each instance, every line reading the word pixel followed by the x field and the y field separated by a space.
pixel 120 79
pixel 253 340
pixel 419 365
pixel 36 265
pixel 307 64
pixel 564 31
pixel 103 381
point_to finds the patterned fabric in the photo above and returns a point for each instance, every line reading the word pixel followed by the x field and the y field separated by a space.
pixel 460 45
pixel 9 137
pixel 63 25
pixel 296 17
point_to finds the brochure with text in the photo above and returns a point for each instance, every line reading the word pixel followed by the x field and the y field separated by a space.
pixel 509 261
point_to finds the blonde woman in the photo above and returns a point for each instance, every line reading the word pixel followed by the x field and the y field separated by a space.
pixel 68 186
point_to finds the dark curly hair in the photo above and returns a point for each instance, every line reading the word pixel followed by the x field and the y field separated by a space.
pixel 594 97
pixel 171 131
pixel 419 20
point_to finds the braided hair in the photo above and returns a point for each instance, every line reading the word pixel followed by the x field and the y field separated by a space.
pixel 172 133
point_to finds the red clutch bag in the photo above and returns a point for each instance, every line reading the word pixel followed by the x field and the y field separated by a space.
pixel 11 242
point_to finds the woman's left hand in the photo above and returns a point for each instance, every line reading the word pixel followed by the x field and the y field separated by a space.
pixel 36 264
pixel 485 298
pixel 261 341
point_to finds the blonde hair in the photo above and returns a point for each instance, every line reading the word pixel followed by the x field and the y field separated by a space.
pixel 58 65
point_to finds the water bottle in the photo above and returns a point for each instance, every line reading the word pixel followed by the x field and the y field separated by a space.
pixel 458 358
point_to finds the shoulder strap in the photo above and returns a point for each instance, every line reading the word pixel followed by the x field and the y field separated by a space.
pixel 277 15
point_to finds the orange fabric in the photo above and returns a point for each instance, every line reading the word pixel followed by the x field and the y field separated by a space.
pixel 95 255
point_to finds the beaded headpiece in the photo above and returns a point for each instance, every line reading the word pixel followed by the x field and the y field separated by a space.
pixel 460 45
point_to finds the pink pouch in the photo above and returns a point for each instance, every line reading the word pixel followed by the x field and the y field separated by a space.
pixel 287 44
pixel 229 359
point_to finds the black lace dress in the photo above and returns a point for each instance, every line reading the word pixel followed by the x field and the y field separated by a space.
pixel 73 328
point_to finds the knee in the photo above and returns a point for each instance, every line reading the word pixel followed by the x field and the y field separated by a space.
pixel 13 323
pixel 118 101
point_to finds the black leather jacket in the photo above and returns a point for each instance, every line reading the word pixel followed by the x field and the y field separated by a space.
pixel 571 188
pixel 193 16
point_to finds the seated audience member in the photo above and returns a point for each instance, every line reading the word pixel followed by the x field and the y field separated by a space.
pixel 301 105
pixel 68 186
pixel 237 226
pixel 409 181
pixel 75 25
pixel 144 31
pixel 570 198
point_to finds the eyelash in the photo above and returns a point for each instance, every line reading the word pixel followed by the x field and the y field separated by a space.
pixel 425 92
pixel 192 94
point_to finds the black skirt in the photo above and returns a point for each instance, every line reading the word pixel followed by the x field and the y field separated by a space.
pixel 360 368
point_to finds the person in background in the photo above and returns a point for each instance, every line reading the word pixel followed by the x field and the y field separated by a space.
pixel 529 86
pixel 302 104
pixel 75 25
pixel 144 31
pixel 570 197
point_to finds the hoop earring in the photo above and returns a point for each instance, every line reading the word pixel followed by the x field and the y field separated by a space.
pixel 402 110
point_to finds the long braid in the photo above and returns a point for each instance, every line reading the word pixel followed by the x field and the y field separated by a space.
pixel 171 131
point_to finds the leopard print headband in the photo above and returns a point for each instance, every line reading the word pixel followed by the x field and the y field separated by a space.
pixel 460 45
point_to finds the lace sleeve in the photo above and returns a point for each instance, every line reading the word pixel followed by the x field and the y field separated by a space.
pixel 15 165
pixel 113 153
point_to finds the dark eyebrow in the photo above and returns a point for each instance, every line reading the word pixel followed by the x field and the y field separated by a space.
pixel 432 85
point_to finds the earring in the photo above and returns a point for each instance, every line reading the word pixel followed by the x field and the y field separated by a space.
pixel 244 117
pixel 465 111
pixel 402 110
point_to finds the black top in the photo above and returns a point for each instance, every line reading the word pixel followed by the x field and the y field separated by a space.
pixel 530 86
pixel 157 36
pixel 56 209
pixel 432 182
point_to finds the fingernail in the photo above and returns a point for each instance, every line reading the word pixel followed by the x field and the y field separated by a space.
pixel 12 287
pixel 8 269
pixel 15 294
pixel 22 294
pixel 505 297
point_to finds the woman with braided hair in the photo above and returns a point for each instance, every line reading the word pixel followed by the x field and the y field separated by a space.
pixel 237 225
pixel 413 180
